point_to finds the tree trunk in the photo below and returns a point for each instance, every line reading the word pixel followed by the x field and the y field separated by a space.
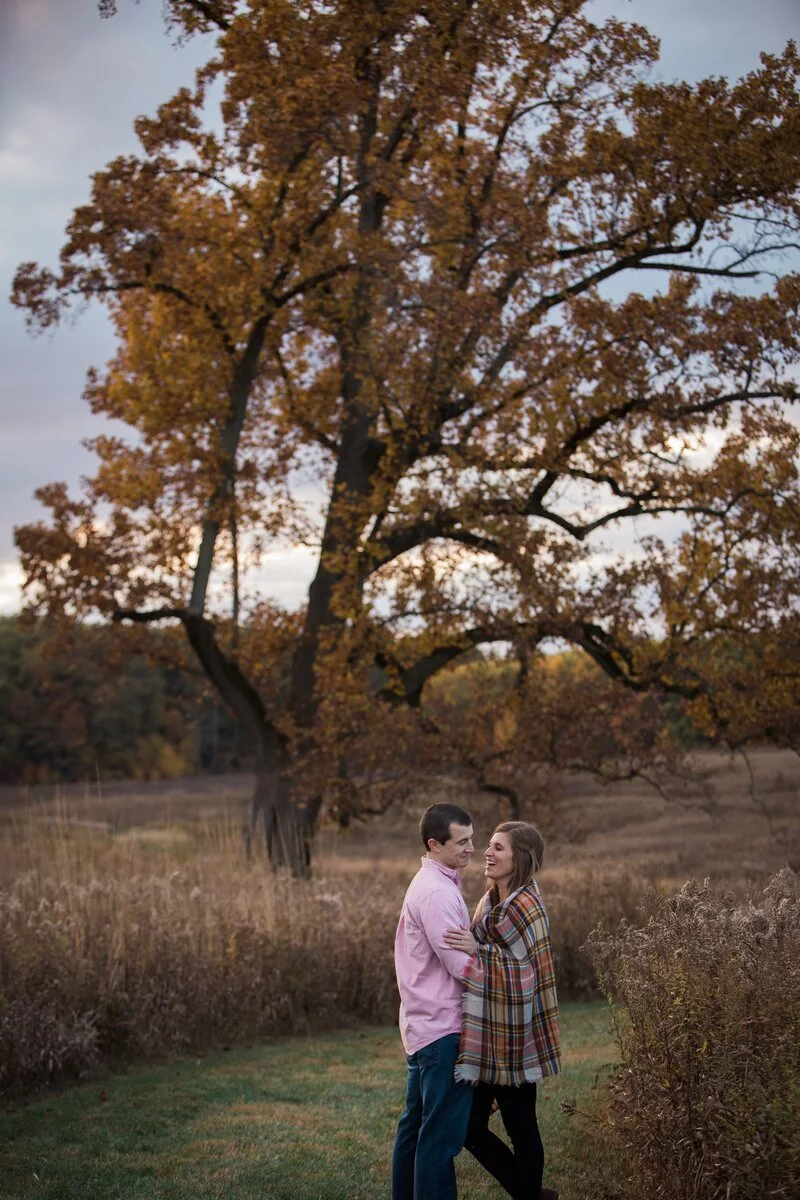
pixel 288 825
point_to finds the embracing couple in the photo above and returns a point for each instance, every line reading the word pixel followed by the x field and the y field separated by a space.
pixel 478 1011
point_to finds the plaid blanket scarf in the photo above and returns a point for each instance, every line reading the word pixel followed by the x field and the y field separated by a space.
pixel 510 1033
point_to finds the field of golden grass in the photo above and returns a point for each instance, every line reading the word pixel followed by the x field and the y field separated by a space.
pixel 729 819
pixel 133 928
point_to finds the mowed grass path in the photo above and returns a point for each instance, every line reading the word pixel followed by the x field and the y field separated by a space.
pixel 300 1119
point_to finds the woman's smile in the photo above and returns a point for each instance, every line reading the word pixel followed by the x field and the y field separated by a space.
pixel 498 858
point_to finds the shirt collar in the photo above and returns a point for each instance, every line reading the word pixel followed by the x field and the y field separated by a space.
pixel 448 872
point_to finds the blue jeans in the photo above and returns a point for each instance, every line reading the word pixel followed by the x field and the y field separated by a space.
pixel 433 1126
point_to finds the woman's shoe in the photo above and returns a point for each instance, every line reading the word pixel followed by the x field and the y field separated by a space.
pixel 549 1194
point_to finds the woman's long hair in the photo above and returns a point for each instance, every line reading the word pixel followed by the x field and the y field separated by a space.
pixel 527 851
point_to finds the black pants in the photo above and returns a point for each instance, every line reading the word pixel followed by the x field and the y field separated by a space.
pixel 520 1171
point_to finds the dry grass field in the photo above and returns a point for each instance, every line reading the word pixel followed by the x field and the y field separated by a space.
pixel 135 905
pixel 133 928
pixel 727 819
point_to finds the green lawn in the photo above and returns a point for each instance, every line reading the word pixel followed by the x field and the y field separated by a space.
pixel 301 1119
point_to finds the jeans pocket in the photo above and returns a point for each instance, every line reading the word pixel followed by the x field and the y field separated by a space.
pixel 428 1056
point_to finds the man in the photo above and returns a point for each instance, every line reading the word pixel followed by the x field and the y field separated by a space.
pixel 434 1124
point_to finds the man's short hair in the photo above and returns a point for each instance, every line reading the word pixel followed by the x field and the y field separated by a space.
pixel 437 819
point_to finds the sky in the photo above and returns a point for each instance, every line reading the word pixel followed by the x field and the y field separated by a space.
pixel 71 85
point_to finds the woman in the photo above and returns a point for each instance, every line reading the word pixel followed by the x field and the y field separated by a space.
pixel 510 1037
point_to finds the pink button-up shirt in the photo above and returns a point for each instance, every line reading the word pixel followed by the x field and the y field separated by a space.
pixel 429 973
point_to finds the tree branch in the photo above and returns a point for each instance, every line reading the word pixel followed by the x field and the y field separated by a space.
pixel 212 12
pixel 166 289
pixel 206 8
pixel 239 396
pixel 613 657
pixel 147 616
pixel 399 541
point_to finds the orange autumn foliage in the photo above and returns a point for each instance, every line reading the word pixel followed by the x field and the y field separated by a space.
pixel 406 260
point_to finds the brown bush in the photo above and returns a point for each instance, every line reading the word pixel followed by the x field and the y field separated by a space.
pixel 707 1099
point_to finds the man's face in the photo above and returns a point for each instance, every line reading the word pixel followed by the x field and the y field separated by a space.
pixel 457 850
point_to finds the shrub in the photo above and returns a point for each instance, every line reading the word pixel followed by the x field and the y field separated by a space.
pixel 707 1099
pixel 41 1041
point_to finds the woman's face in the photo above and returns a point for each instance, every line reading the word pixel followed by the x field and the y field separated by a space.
pixel 499 858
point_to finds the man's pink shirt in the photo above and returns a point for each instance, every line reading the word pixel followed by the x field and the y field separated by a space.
pixel 429 973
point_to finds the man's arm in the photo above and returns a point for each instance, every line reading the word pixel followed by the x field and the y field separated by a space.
pixel 438 913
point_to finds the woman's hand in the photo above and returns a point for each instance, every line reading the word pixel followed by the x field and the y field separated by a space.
pixel 461 939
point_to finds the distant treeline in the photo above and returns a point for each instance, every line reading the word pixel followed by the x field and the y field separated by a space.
pixel 90 702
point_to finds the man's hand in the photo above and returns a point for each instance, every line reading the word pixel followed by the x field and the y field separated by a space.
pixel 460 939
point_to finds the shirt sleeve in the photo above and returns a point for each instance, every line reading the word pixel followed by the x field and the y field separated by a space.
pixel 439 912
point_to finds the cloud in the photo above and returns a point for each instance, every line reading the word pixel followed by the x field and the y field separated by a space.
pixel 707 37
pixel 284 576
pixel 71 85
pixel 31 17
pixel 10 587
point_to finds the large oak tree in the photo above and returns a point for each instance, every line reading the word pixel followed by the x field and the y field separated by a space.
pixel 501 297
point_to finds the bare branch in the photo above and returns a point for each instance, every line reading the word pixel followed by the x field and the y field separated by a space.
pixel 147 616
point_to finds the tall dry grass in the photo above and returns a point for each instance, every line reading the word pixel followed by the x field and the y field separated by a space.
pixel 125 944
pixel 707 1100
pixel 579 904
pixel 123 948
